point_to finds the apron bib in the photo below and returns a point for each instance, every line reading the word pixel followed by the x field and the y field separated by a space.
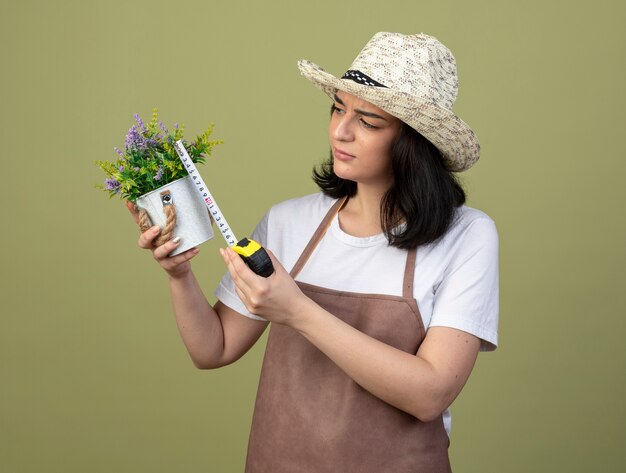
pixel 310 416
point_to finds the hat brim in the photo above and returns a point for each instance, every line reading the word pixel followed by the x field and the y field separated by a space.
pixel 455 140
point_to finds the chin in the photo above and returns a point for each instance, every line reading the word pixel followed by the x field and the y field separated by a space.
pixel 342 171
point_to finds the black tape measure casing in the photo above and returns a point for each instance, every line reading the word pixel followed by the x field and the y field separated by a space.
pixel 255 256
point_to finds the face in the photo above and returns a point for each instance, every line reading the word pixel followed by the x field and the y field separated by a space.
pixel 361 137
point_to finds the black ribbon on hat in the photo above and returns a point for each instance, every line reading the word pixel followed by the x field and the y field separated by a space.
pixel 360 78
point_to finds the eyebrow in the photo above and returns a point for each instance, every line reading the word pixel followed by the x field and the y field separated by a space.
pixel 361 112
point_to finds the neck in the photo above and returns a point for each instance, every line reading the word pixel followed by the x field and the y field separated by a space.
pixel 361 215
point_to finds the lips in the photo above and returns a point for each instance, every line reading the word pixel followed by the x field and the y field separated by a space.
pixel 342 155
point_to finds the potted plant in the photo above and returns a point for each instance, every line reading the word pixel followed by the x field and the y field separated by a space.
pixel 149 173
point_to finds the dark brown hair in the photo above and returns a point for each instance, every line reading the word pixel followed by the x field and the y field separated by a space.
pixel 425 194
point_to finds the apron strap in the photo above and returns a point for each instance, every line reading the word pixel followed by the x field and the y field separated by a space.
pixel 409 274
pixel 317 236
pixel 409 268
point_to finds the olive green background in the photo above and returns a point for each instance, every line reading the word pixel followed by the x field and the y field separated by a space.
pixel 93 376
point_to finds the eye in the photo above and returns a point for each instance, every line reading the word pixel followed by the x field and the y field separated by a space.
pixel 335 109
pixel 368 125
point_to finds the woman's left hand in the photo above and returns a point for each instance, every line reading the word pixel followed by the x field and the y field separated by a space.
pixel 276 298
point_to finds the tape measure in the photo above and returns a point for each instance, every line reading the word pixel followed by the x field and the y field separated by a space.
pixel 250 251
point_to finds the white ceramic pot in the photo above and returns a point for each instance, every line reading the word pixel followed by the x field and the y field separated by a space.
pixel 193 224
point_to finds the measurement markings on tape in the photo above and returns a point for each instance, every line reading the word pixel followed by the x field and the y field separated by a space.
pixel 250 251
pixel 216 213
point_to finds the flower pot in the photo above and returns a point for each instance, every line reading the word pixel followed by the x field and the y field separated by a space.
pixel 193 224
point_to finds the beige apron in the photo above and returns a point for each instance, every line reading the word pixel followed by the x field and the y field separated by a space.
pixel 311 417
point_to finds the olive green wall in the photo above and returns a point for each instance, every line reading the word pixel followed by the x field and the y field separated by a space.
pixel 93 376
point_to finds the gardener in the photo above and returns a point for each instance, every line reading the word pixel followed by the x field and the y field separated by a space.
pixel 385 285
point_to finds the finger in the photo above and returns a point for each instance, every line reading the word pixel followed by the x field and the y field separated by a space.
pixel 236 267
pixel 166 248
pixel 132 208
pixel 234 263
pixel 171 262
pixel 241 267
pixel 146 238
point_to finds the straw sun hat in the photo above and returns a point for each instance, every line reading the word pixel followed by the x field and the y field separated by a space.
pixel 412 77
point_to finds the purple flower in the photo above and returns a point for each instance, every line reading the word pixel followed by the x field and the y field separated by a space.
pixel 119 151
pixel 163 129
pixel 159 174
pixel 111 185
pixel 134 140
pixel 140 123
pixel 121 168
pixel 136 169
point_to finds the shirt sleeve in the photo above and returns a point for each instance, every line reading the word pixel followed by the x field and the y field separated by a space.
pixel 467 297
pixel 226 291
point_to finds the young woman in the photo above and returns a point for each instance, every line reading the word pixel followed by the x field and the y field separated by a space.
pixel 385 285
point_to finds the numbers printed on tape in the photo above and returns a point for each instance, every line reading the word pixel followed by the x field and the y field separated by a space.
pixel 202 188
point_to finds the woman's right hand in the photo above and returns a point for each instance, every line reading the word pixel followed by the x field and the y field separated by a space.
pixel 175 266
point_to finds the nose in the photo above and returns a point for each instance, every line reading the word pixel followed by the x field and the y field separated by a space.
pixel 341 128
